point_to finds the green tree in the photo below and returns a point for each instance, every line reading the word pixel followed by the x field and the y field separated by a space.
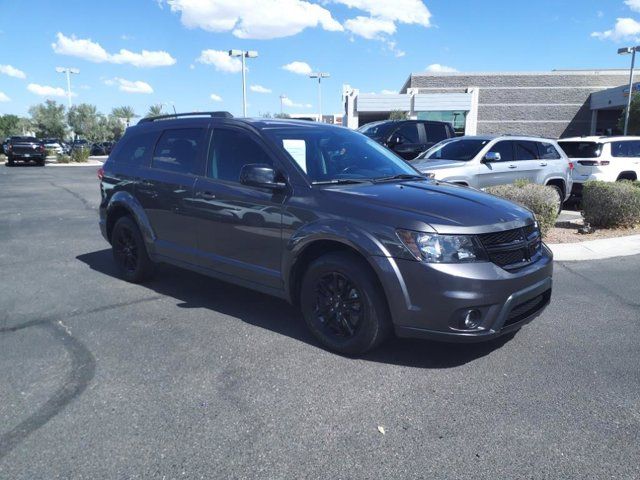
pixel 634 116
pixel 9 125
pixel 125 112
pixel 155 110
pixel 398 115
pixel 84 120
pixel 48 119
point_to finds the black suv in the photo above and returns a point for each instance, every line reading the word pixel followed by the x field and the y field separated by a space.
pixel 328 219
pixel 408 138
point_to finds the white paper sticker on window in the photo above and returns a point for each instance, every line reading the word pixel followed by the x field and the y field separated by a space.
pixel 298 150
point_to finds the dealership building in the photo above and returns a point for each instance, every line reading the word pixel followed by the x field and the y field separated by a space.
pixel 555 104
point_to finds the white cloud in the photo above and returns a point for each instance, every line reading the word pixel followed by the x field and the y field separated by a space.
pixel 215 98
pixel 259 89
pixel 624 29
pixel 633 5
pixel 221 60
pixel 437 68
pixel 301 68
pixel 47 91
pixel 402 11
pixel 287 102
pixel 89 50
pixel 255 19
pixel 389 92
pixel 129 86
pixel 12 71
pixel 4 97
pixel 370 28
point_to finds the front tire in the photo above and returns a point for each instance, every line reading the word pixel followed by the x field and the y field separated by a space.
pixel 130 252
pixel 343 305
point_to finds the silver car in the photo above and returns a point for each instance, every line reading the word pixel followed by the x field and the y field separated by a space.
pixel 484 161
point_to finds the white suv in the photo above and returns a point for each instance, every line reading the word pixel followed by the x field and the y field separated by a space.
pixel 602 158
pixel 484 161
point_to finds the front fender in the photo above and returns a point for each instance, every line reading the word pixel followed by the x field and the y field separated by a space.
pixel 124 199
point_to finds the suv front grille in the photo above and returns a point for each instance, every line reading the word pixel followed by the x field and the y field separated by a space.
pixel 513 249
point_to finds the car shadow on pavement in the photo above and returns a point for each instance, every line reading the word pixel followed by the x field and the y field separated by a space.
pixel 193 290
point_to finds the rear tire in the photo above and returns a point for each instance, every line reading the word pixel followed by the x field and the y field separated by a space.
pixel 343 305
pixel 130 251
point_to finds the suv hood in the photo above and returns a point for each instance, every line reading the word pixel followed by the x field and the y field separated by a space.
pixel 446 208
pixel 426 165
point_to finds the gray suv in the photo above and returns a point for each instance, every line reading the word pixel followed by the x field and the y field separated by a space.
pixel 327 219
pixel 484 161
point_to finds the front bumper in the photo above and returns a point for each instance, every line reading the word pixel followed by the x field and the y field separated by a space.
pixel 429 300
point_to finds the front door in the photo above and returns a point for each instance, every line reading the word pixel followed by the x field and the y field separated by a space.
pixel 167 190
pixel 240 227
pixel 500 172
pixel 407 140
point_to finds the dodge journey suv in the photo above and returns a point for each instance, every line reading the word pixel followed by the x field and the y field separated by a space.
pixel 327 219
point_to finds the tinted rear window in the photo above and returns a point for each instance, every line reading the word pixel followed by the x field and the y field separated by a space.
pixel 625 149
pixel 436 132
pixel 134 148
pixel 548 151
pixel 581 149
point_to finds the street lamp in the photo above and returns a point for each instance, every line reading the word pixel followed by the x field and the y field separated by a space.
pixel 244 54
pixel 68 71
pixel 319 76
pixel 626 51
pixel 282 97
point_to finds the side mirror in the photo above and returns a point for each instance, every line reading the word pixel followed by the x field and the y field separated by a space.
pixel 492 157
pixel 260 175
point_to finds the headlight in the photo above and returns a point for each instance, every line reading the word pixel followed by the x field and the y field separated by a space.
pixel 434 248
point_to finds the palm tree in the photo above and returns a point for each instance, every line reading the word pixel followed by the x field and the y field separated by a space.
pixel 126 113
pixel 155 110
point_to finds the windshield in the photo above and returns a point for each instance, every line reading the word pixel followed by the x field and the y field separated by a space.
pixel 327 154
pixel 463 150
pixel 581 149
pixel 375 129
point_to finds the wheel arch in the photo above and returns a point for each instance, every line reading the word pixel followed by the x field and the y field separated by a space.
pixel 123 203
pixel 627 175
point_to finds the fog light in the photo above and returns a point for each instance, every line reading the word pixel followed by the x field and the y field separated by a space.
pixel 472 319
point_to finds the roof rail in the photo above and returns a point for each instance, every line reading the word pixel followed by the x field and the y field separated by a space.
pixel 220 114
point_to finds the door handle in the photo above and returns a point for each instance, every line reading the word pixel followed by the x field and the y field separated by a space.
pixel 513 166
pixel 205 195
pixel 543 164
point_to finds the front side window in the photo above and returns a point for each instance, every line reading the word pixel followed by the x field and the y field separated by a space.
pixel 505 149
pixel 231 150
pixel 463 150
pixel 135 148
pixel 526 150
pixel 177 150
pixel 408 133
pixel 548 151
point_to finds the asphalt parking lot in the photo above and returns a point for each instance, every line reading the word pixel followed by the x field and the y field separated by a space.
pixel 188 377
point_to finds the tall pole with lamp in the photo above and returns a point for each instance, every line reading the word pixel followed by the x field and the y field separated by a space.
pixel 626 51
pixel 319 76
pixel 244 54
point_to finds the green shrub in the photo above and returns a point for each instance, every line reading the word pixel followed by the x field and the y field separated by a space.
pixel 51 152
pixel 611 204
pixel 80 155
pixel 61 158
pixel 541 200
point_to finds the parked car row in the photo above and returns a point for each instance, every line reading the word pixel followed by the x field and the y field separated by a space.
pixel 28 148
pixel 484 161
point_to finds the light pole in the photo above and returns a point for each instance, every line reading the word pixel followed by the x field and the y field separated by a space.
pixel 282 97
pixel 68 71
pixel 626 51
pixel 244 54
pixel 319 76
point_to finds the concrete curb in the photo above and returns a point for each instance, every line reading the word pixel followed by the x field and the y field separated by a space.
pixel 596 249
pixel 90 163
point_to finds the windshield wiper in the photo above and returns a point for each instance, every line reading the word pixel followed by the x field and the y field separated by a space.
pixel 401 176
pixel 340 181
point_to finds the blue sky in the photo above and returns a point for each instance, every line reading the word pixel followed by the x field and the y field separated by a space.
pixel 372 45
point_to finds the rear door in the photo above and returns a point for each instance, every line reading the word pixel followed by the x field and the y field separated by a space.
pixel 501 172
pixel 408 140
pixel 528 164
pixel 166 191
pixel 435 132
pixel 625 156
